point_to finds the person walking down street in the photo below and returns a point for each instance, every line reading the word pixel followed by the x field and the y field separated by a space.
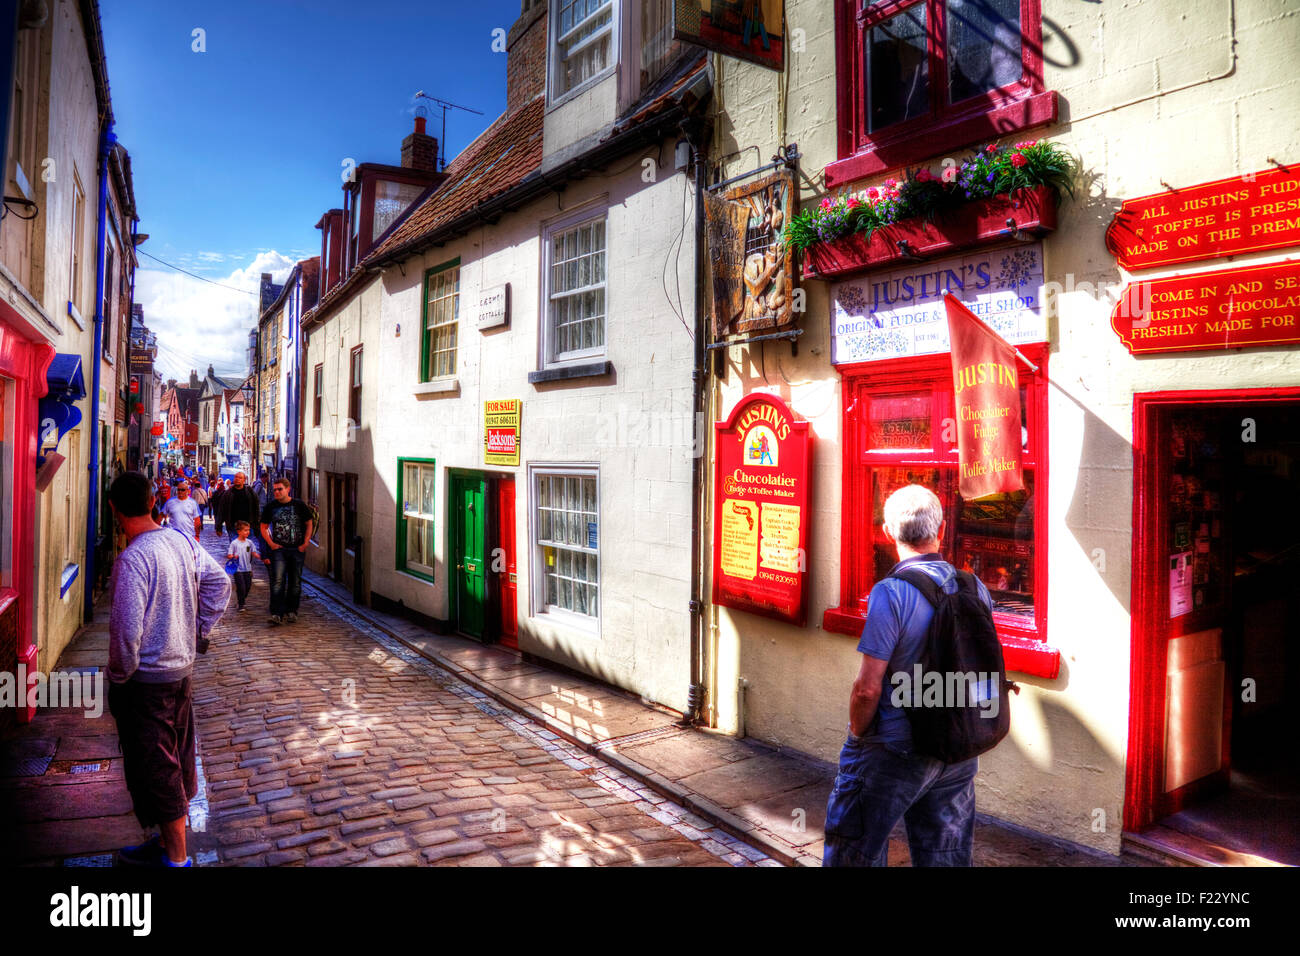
pixel 881 780
pixel 182 512
pixel 214 503
pixel 167 595
pixel 239 503
pixel 243 551
pixel 200 497
pixel 259 488
pixel 286 528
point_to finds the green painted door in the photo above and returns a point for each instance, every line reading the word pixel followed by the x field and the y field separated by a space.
pixel 469 500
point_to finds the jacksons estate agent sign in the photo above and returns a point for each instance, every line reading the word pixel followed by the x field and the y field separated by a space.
pixel 761 509
pixel 901 313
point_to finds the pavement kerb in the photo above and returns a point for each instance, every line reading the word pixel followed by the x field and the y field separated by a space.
pixel 736 826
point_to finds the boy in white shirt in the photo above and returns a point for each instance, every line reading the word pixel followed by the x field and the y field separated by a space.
pixel 243 551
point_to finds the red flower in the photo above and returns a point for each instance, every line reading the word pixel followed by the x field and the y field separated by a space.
pixel 923 176
pixel 991 148
pixel 873 193
pixel 1018 160
pixel 853 202
pixel 826 204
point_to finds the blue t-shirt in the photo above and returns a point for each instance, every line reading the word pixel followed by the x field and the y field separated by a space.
pixel 898 621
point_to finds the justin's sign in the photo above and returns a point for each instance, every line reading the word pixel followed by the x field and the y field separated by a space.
pixel 901 313
pixel 761 509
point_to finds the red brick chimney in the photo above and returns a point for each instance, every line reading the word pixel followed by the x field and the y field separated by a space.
pixel 526 55
pixel 419 149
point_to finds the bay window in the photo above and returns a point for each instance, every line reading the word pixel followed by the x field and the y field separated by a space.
pixel 917 77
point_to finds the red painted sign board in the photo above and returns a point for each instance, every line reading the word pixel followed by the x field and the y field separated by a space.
pixel 1224 309
pixel 761 509
pixel 1227 217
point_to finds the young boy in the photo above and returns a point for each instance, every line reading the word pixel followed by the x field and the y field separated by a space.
pixel 243 549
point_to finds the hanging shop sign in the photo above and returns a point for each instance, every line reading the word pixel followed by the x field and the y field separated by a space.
pixel 140 361
pixel 751 30
pixel 494 307
pixel 986 387
pixel 901 313
pixel 1224 309
pixel 752 268
pixel 501 431
pixel 761 509
pixel 1227 217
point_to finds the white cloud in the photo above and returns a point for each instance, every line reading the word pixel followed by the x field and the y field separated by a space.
pixel 200 324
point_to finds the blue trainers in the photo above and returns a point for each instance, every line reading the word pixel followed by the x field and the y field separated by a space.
pixel 167 862
pixel 148 853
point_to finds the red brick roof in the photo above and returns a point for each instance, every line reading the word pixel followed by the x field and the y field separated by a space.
pixel 505 153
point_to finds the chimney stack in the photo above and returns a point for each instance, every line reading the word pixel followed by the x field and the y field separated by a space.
pixel 419 149
pixel 194 378
pixel 211 373
pixel 171 383
pixel 526 55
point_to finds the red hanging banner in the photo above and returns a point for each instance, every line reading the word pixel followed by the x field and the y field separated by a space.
pixel 987 392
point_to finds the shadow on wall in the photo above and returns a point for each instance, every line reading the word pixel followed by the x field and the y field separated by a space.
pixel 336 461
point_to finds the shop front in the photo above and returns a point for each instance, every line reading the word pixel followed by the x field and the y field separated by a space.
pixel 23 365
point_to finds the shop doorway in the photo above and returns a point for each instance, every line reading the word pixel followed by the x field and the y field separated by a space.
pixel 482 545
pixel 1216 607
pixel 337 500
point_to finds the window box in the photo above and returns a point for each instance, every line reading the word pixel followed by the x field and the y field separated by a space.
pixel 982 222
pixel 918 77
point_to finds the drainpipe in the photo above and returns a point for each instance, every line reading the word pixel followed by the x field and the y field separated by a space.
pixel 695 691
pixel 106 142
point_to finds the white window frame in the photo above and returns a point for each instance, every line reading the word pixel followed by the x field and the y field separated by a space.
pixel 549 357
pixel 555 65
pixel 538 608
pixel 449 276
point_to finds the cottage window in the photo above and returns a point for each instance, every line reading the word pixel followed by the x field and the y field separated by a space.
pixel 441 318
pixel 575 279
pixel 354 391
pixel 566 523
pixel 583 38
pixel 417 491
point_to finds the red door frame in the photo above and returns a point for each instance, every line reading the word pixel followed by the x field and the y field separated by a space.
pixel 507 586
pixel 1145 768
pixel 26 362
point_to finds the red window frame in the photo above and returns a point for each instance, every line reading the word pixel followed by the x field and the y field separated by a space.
pixel 1024 640
pixel 1009 109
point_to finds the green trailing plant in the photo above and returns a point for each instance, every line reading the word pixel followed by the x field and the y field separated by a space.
pixel 990 171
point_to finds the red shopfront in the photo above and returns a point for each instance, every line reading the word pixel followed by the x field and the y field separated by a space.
pixel 23 366
pixel 890 346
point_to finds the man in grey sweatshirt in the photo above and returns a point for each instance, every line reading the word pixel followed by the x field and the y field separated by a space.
pixel 167 592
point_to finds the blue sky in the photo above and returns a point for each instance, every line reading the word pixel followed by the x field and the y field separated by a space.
pixel 237 150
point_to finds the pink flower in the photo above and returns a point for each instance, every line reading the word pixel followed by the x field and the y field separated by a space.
pixel 826 205
pixel 891 183
pixel 1018 159
pixel 991 148
pixel 873 194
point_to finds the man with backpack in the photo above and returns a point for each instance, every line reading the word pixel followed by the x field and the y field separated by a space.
pixel 913 756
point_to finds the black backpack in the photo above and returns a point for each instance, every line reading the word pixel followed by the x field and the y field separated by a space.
pixel 961 707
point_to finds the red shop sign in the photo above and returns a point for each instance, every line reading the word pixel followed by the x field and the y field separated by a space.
pixel 1227 217
pixel 761 509
pixel 1225 309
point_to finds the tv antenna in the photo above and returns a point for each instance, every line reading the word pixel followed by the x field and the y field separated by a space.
pixel 445 105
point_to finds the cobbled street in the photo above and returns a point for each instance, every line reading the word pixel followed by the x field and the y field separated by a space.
pixel 326 742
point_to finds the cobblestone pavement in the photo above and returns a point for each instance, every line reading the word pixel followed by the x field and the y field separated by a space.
pixel 326 742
